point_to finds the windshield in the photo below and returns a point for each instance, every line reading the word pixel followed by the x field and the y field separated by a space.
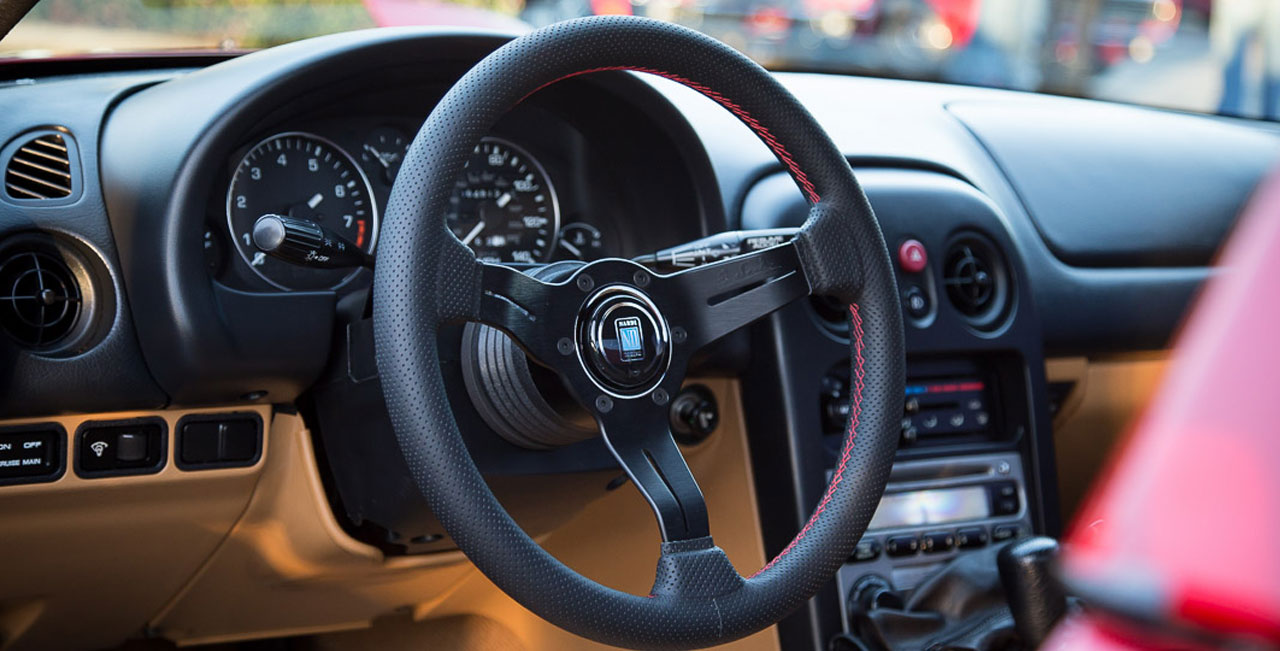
pixel 1212 56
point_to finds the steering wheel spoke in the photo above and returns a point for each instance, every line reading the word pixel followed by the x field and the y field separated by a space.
pixel 521 306
pixel 718 298
pixel 637 433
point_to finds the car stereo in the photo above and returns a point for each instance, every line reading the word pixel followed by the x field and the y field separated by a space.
pixel 934 510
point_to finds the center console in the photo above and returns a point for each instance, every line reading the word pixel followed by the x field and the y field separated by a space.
pixel 974 467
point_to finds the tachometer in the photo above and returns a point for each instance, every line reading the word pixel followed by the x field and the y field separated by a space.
pixel 504 206
pixel 300 175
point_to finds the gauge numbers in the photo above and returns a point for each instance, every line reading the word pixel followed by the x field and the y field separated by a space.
pixel 504 206
pixel 304 176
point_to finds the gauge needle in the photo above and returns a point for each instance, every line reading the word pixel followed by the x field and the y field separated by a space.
pixel 475 230
pixel 504 200
pixel 315 200
pixel 383 159
pixel 572 249
pixel 376 154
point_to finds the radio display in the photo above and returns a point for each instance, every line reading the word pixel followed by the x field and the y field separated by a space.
pixel 936 506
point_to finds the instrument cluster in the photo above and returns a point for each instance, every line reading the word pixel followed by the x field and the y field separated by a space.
pixel 518 200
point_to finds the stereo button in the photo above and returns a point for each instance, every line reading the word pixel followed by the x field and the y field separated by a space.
pixel 937 541
pixel 1004 498
pixel 901 545
pixel 971 537
pixel 868 549
pixel 1005 532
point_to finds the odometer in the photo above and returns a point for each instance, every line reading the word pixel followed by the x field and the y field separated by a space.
pixel 504 206
pixel 305 176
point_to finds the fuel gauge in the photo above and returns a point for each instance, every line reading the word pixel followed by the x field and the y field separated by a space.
pixel 580 241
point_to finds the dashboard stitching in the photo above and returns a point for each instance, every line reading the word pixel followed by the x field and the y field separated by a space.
pixel 778 149
pixel 854 411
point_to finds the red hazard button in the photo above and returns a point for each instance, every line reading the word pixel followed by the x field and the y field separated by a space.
pixel 912 256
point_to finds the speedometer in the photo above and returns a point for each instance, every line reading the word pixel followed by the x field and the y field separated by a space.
pixel 304 176
pixel 504 206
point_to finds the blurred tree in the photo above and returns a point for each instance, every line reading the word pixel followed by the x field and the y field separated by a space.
pixel 240 23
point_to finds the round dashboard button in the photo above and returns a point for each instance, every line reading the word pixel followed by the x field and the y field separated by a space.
pixel 912 256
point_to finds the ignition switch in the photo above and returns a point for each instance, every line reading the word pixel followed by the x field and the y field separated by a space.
pixel 694 414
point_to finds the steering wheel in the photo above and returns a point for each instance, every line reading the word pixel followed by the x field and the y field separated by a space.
pixel 621 336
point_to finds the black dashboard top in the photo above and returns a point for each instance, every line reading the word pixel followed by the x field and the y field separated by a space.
pixel 1167 195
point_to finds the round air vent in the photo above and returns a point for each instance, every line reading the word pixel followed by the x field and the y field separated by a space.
pixel 46 295
pixel 39 299
pixel 976 281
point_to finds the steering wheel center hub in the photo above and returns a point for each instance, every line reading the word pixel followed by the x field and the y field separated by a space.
pixel 624 341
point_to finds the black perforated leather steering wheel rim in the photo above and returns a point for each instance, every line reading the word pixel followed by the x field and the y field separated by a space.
pixel 425 277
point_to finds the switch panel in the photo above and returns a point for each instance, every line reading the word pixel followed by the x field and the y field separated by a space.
pixel 126 447
pixel 219 441
pixel 32 453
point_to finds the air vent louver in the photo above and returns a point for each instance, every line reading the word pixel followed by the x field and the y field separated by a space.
pixel 40 298
pixel 40 169
pixel 969 279
pixel 976 281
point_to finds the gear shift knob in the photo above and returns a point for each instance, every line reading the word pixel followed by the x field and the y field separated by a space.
pixel 1035 598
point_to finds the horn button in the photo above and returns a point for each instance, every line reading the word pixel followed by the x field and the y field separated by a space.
pixel 624 342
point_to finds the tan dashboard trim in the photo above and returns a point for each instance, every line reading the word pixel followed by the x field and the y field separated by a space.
pixel 287 568
pixel 1107 396
pixel 244 553
pixel 89 560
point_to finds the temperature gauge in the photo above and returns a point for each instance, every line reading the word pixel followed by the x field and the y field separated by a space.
pixel 580 241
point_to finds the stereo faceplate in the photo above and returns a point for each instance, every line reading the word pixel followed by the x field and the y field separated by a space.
pixel 937 510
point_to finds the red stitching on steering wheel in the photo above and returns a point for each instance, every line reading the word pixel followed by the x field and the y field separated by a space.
pixel 854 411
pixel 778 149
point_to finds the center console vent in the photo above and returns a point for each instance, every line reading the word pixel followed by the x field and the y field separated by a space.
pixel 977 281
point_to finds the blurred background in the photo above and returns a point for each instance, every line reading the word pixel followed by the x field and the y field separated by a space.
pixel 1210 56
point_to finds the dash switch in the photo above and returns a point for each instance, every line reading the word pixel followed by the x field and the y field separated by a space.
pixel 217 441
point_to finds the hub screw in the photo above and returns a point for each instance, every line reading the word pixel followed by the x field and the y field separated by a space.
pixel 565 346
pixel 660 396
pixel 586 283
pixel 678 335
pixel 604 404
pixel 641 278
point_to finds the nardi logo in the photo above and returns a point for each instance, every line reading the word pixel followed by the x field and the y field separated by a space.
pixel 630 339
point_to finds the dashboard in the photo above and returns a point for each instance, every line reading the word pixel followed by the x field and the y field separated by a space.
pixel 1013 242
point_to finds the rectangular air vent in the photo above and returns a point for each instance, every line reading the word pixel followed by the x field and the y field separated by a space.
pixel 40 169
